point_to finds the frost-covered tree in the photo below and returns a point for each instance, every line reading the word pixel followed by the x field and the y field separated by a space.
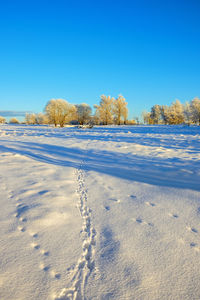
pixel 179 108
pixel 83 113
pixel 42 119
pixel 176 113
pixel 120 109
pixel 125 115
pixel 131 122
pixel 156 114
pixel 104 111
pixel 36 119
pixel 146 117
pixel 2 120
pixel 195 110
pixel 164 114
pixel 14 121
pixel 60 112
pixel 187 113
pixel 30 119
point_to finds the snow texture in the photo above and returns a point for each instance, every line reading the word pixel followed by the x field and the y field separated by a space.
pixel 103 213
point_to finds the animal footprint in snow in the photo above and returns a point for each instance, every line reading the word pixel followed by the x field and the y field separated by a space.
pixel 21 228
pixel 107 207
pixel 35 246
pixel 114 200
pixel 23 219
pixel 33 234
pixel 173 215
pixel 55 275
pixel 150 204
pixel 44 252
pixel 195 247
pixel 193 244
pixel 192 229
pixel 10 195
pixel 71 268
pixel 140 221
pixel 44 267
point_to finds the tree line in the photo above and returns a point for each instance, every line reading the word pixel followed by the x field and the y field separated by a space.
pixel 60 112
pixel 176 113
pixel 112 110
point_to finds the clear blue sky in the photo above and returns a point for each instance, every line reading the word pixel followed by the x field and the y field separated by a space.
pixel 148 51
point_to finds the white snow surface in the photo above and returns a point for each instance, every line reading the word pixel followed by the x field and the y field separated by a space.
pixel 102 213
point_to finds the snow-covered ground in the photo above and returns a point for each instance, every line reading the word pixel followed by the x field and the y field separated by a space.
pixel 102 213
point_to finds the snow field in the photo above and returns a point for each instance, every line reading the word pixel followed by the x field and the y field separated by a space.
pixel 107 213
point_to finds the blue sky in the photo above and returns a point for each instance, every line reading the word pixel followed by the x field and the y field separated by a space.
pixel 148 51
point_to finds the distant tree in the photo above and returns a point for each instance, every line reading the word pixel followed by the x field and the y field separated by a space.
pixel 195 110
pixel 125 116
pixel 30 119
pixel 131 122
pixel 84 112
pixel 164 114
pixel 179 112
pixel 96 117
pixel 60 112
pixel 145 117
pixel 13 121
pixel 175 113
pixel 2 120
pixel 156 114
pixel 137 120
pixel 104 111
pixel 120 109
pixel 42 119
pixel 187 113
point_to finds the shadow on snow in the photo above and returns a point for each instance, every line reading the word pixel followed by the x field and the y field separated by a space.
pixel 150 170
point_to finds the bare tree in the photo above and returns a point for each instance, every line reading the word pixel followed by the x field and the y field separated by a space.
pixel 120 109
pixel 60 112
pixel 104 111
pixel 83 113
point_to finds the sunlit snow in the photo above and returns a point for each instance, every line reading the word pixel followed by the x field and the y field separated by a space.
pixel 102 213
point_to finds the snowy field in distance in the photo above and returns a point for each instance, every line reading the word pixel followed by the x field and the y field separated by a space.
pixel 102 213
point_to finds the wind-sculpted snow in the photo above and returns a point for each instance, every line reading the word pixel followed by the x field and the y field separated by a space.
pixel 110 212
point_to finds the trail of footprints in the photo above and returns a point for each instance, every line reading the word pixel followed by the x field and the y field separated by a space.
pixel 86 263
pixel 20 211
pixel 175 216
pixel 193 230
pixel 115 200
